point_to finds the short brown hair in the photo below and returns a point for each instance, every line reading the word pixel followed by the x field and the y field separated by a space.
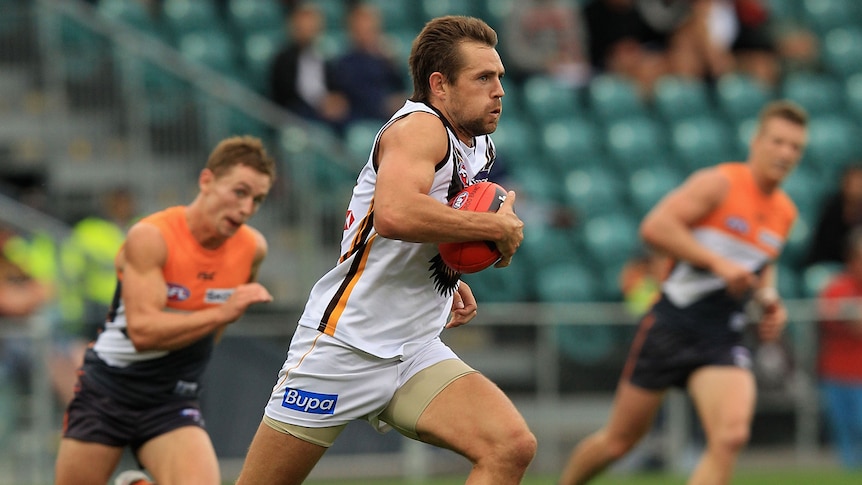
pixel 786 110
pixel 241 150
pixel 435 49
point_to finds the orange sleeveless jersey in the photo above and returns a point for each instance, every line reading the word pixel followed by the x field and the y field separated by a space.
pixel 760 220
pixel 197 277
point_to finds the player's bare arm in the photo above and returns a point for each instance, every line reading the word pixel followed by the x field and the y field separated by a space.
pixel 149 326
pixel 402 208
pixel 774 312
pixel 464 306
pixel 668 228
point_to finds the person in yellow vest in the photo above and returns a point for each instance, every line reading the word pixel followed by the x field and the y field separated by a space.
pixel 88 282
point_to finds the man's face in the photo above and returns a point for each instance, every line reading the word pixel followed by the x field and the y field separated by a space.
pixel 777 148
pixel 474 102
pixel 232 198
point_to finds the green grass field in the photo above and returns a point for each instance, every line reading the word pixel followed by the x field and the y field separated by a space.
pixel 789 477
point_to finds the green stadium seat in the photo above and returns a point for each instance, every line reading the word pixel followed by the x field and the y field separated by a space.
pixel 824 15
pixel 213 48
pixel 648 185
pixel 788 283
pixel 249 16
pixel 805 187
pixel 399 15
pixel 610 239
pixel 841 51
pixel 515 140
pixel 568 282
pixel 676 98
pixel 505 285
pixel 818 93
pixel 545 98
pixel 436 8
pixel 358 139
pixel 785 10
pixel 594 190
pixel 833 142
pixel 335 13
pixel 571 143
pixel 636 142
pixel 185 16
pixel 612 97
pixel 133 14
pixel 740 96
pixel 817 276
pixel 701 142
pixel 258 51
pixel 853 96
pixel 796 247
pixel 544 244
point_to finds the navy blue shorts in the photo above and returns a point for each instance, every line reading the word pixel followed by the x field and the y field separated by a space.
pixel 98 419
pixel 665 355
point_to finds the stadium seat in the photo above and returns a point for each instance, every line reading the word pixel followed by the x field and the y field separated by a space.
pixel 571 143
pixel 701 142
pixel 796 247
pixel 636 142
pixel 544 99
pixel 785 10
pixel 213 48
pixel 436 8
pixel 610 239
pixel 358 139
pixel 841 53
pixel 648 185
pixel 186 16
pixel 805 187
pixel 833 142
pixel 818 93
pixel 335 13
pixel 544 245
pixel 613 97
pixel 399 15
pixel 594 190
pixel 505 285
pixel 824 15
pixel 676 98
pixel 816 276
pixel 249 16
pixel 788 283
pixel 853 96
pixel 258 51
pixel 566 283
pixel 133 14
pixel 740 96
pixel 515 139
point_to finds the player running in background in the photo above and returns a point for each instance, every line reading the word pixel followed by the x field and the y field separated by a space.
pixel 184 274
pixel 368 345
pixel 724 227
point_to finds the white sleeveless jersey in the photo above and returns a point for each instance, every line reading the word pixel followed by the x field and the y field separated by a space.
pixel 386 296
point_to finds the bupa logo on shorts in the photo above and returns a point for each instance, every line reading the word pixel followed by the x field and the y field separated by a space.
pixel 309 402
pixel 178 292
pixel 217 295
pixel 737 224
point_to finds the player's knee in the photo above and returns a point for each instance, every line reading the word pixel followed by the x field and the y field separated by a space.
pixel 518 449
pixel 731 438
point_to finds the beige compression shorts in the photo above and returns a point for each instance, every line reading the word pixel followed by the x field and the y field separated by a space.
pixel 325 384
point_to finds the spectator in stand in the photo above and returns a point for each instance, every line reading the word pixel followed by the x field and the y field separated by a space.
pixel 367 74
pixel 300 76
pixel 547 37
pixel 640 280
pixel 841 212
pixel 621 42
pixel 20 294
pixel 840 354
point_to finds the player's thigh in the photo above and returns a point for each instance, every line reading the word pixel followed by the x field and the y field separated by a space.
pixel 724 396
pixel 278 458
pixel 183 455
pixel 633 412
pixel 82 463
pixel 469 415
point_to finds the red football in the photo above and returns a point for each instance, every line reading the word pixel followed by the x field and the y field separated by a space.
pixel 473 256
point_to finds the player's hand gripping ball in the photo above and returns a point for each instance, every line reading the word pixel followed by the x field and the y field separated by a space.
pixel 474 256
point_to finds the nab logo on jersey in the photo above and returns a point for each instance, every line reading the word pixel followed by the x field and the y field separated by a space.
pixel 737 224
pixel 178 292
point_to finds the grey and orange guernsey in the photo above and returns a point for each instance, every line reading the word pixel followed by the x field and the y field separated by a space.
pixel 197 278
